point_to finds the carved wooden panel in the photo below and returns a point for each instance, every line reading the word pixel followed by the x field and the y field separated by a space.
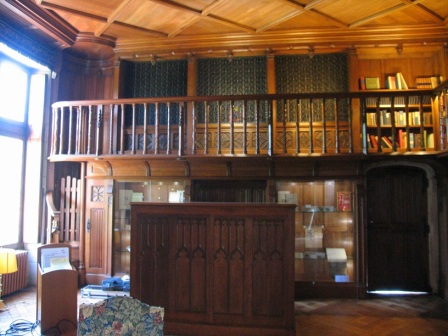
pixel 98 230
pixel 216 268
pixel 97 217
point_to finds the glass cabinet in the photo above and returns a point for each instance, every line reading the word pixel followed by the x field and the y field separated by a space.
pixel 325 229
pixel 142 191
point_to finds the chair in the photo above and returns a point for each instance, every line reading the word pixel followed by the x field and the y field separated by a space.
pixel 120 316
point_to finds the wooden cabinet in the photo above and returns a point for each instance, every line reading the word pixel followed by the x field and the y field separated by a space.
pixel 216 268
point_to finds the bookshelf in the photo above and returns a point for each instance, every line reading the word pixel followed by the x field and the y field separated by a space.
pixel 443 116
pixel 324 229
pixel 417 68
pixel 400 123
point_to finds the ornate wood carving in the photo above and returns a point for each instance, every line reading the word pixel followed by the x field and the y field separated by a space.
pixel 216 268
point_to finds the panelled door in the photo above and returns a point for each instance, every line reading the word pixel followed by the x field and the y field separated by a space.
pixel 98 242
pixel 397 229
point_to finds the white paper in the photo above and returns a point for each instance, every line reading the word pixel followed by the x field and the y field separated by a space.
pixel 55 258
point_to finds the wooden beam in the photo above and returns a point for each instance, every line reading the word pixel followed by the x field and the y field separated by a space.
pixel 184 26
pixel 378 15
pixel 293 4
pixel 329 18
pixel 58 8
pixel 177 6
pixel 48 22
pixel 205 13
pixel 99 18
pixel 230 23
pixel 316 3
pixel 215 5
pixel 418 4
pixel 404 4
pixel 429 12
pixel 112 17
pixel 310 8
pixel 144 30
pixel 280 20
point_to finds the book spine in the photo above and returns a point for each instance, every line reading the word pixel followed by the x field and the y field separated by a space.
pixel 362 83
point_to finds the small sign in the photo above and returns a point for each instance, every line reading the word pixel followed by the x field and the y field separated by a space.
pixel 344 201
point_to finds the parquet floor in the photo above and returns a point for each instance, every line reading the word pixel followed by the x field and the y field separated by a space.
pixel 384 316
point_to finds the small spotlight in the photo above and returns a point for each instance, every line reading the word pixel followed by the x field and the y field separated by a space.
pixel 311 53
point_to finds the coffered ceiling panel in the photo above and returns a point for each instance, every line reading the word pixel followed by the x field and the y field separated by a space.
pixel 97 7
pixel 202 28
pixel 353 11
pixel 160 19
pixel 308 20
pixel 255 14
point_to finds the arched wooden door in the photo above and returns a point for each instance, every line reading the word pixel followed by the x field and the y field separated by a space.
pixel 397 229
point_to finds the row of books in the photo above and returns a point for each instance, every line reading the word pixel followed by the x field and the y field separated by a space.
pixel 398 101
pixel 401 141
pixel 399 118
pixel 393 82
pixel 429 82
pixel 396 82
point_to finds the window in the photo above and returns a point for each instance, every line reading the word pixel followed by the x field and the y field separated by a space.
pixel 10 195
pixel 13 86
pixel 22 96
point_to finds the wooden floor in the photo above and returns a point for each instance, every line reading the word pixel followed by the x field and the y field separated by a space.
pixel 383 316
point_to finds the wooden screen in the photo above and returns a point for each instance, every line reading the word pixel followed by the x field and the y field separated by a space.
pixel 216 268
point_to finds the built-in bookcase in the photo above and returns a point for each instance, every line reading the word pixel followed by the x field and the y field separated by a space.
pixel 442 101
pixel 400 123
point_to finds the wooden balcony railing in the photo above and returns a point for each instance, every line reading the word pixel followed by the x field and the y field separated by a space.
pixel 276 124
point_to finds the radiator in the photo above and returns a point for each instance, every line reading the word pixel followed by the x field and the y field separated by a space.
pixel 15 281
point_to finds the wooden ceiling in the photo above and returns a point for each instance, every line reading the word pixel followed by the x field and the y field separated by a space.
pixel 178 28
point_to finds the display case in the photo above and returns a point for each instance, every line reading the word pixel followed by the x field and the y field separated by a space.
pixel 138 191
pixel 325 229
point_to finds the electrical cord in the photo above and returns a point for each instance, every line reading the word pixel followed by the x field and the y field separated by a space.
pixel 21 327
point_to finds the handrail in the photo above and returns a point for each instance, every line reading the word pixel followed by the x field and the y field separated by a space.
pixel 277 96
pixel 266 124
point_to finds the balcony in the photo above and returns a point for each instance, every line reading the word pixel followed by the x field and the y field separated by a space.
pixel 317 124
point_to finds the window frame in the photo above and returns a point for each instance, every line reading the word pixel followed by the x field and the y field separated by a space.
pixel 22 131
